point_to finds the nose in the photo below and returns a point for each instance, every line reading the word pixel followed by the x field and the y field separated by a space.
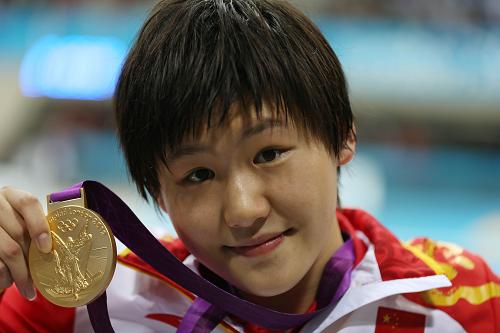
pixel 245 202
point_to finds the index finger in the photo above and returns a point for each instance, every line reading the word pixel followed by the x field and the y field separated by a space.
pixel 28 206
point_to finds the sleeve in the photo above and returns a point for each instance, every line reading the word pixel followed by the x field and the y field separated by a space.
pixel 18 315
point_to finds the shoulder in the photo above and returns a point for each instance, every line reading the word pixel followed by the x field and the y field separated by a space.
pixel 394 260
pixel 474 297
pixel 459 264
pixel 472 300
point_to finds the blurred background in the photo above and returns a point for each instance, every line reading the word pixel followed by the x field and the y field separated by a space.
pixel 424 78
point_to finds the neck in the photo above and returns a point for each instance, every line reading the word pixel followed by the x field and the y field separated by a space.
pixel 300 298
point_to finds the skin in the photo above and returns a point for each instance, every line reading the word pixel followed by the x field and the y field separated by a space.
pixel 226 189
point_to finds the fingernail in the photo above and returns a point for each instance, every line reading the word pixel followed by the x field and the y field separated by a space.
pixel 44 243
pixel 29 294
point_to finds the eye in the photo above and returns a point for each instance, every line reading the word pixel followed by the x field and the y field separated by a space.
pixel 268 155
pixel 200 175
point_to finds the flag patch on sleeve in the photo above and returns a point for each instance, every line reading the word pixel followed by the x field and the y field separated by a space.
pixel 395 321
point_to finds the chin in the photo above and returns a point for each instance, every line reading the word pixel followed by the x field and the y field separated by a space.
pixel 265 287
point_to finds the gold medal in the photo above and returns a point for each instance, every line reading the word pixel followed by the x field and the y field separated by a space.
pixel 83 258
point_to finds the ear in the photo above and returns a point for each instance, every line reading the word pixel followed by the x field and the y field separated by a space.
pixel 349 149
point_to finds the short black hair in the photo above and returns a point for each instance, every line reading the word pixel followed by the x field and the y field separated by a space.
pixel 193 59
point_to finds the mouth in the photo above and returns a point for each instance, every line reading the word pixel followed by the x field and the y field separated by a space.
pixel 261 245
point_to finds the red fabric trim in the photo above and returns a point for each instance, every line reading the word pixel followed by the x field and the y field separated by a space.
pixel 395 262
pixel 176 247
pixel 17 315
pixel 168 319
pixel 359 246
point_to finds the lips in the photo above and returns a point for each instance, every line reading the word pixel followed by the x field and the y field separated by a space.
pixel 260 246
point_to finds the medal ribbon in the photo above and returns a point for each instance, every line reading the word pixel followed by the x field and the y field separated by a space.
pixel 133 234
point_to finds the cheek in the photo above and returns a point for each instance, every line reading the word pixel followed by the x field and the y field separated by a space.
pixel 306 190
pixel 196 221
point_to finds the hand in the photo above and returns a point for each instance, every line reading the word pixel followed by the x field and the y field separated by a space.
pixel 21 220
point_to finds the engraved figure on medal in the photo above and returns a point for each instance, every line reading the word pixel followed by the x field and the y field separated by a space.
pixel 71 260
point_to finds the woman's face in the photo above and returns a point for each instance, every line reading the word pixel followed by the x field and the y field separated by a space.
pixel 255 202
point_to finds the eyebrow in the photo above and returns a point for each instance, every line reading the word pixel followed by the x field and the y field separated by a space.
pixel 187 150
pixel 193 149
pixel 260 127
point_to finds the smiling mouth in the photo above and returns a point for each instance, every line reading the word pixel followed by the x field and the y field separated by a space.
pixel 260 247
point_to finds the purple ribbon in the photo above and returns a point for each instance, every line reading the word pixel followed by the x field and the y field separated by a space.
pixel 201 317
pixel 212 302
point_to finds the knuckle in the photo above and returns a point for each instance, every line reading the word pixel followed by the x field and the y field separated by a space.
pixel 11 250
pixel 6 191
pixel 5 188
pixel 27 199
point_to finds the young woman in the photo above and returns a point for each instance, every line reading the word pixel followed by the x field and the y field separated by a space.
pixel 234 117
